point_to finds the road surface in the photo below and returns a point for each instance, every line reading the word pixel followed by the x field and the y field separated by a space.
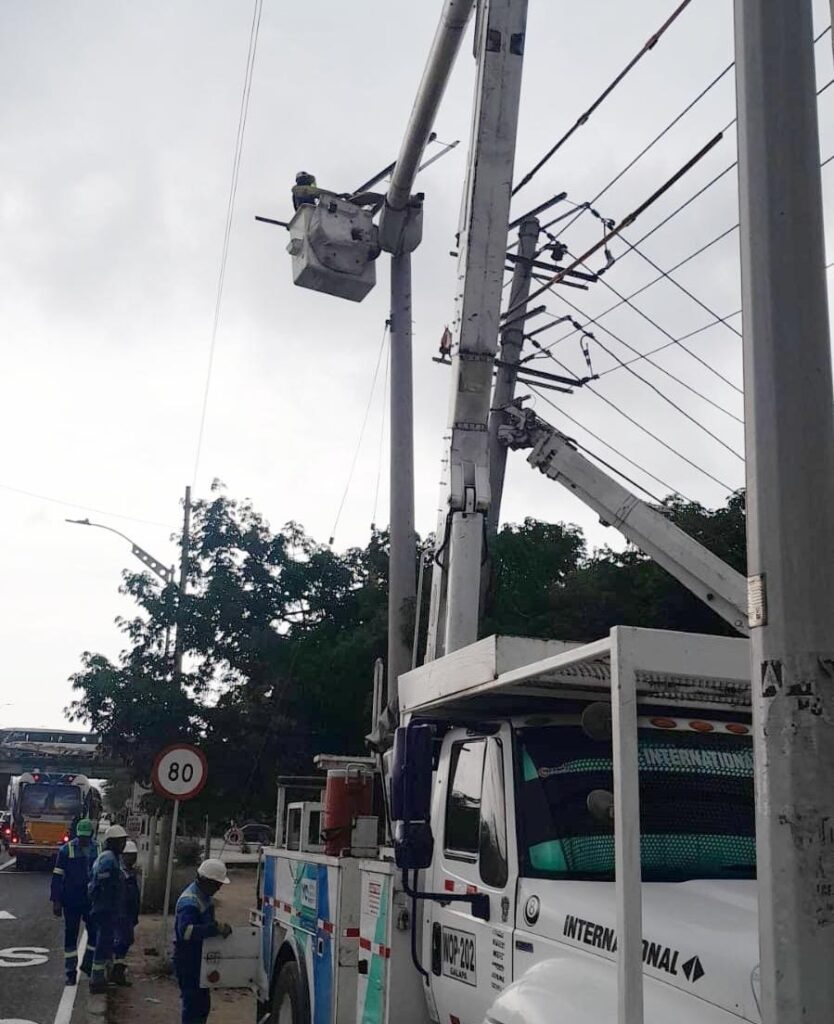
pixel 31 948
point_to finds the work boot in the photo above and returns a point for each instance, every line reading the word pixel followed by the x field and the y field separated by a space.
pixel 98 987
pixel 118 975
pixel 71 979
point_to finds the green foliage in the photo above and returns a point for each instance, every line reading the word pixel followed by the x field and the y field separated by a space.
pixel 280 635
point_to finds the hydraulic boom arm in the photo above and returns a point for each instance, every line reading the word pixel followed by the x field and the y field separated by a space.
pixel 717 584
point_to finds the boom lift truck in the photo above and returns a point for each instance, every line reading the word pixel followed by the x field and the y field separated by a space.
pixel 573 825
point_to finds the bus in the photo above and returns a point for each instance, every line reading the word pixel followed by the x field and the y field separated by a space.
pixel 45 808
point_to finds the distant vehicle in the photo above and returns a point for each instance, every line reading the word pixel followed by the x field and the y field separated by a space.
pixel 44 809
pixel 53 741
pixel 5 829
pixel 253 833
pixel 256 834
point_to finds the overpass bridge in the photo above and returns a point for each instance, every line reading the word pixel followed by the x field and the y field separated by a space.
pixel 14 761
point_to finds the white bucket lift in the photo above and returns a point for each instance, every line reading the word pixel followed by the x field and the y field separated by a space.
pixel 333 246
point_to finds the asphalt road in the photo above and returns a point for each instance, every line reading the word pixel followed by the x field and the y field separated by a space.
pixel 31 948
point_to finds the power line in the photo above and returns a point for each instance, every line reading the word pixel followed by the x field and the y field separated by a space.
pixel 663 330
pixel 254 32
pixel 625 222
pixel 349 480
pixel 647 432
pixel 657 366
pixel 674 405
pixel 610 447
pixel 650 146
pixel 660 348
pixel 83 508
pixel 583 118
pixel 693 103
pixel 642 289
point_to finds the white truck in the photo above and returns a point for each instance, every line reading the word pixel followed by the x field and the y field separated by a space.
pixel 509 896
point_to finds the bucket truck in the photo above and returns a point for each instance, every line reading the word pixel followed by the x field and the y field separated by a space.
pixel 571 833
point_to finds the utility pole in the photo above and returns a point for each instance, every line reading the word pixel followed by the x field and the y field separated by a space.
pixel 790 504
pixel 400 232
pixel 402 538
pixel 499 46
pixel 186 537
pixel 512 341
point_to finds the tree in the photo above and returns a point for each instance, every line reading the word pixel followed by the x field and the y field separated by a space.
pixel 280 635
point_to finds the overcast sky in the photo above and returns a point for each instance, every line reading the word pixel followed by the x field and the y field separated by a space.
pixel 117 129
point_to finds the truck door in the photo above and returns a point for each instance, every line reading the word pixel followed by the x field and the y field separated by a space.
pixel 470 959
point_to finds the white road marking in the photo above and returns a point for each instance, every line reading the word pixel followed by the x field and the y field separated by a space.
pixel 8 864
pixel 6 916
pixel 23 956
pixel 64 1012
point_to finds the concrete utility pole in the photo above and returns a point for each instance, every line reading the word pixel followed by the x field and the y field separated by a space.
pixel 499 47
pixel 400 232
pixel 512 341
pixel 403 540
pixel 790 504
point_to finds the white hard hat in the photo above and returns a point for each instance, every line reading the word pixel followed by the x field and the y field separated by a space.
pixel 115 832
pixel 213 869
pixel 130 847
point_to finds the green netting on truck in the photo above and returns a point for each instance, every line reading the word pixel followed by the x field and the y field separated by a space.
pixel 696 804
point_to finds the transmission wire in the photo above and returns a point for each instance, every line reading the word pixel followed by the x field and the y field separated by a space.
pixel 230 212
pixel 349 480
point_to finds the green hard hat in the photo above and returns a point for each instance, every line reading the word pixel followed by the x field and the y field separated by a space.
pixel 84 827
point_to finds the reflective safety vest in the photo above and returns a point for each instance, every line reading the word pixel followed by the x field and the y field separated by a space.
pixel 303 194
pixel 71 874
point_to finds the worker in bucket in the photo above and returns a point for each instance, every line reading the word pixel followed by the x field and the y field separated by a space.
pixel 127 916
pixel 194 921
pixel 105 900
pixel 305 192
pixel 69 896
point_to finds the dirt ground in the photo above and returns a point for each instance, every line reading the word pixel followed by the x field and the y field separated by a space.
pixel 154 997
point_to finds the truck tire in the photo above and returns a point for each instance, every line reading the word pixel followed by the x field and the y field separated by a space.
pixel 21 863
pixel 289 999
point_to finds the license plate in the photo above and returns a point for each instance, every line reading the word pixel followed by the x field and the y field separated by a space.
pixel 459 956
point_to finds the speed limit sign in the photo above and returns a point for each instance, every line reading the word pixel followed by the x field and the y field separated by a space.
pixel 179 771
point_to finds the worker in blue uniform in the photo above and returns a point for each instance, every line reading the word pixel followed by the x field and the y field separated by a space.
pixel 68 892
pixel 105 900
pixel 194 922
pixel 127 915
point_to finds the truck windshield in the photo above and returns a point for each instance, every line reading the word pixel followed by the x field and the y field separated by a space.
pixel 696 804
pixel 40 799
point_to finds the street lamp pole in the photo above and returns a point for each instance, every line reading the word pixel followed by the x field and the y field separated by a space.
pixel 163 572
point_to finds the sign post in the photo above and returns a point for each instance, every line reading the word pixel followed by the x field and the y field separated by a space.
pixel 179 773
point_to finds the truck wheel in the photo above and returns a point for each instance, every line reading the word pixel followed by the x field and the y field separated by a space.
pixel 289 1000
pixel 21 863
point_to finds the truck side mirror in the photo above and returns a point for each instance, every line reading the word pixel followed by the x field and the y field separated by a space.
pixel 411 777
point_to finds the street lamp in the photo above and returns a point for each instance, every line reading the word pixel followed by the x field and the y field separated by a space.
pixel 164 573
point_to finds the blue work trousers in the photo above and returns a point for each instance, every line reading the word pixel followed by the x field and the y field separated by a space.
pixel 122 940
pixel 105 927
pixel 196 1001
pixel 72 925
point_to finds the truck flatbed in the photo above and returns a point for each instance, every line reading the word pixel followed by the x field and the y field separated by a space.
pixel 670 668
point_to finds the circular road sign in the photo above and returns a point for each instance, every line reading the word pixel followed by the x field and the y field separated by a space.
pixel 179 772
